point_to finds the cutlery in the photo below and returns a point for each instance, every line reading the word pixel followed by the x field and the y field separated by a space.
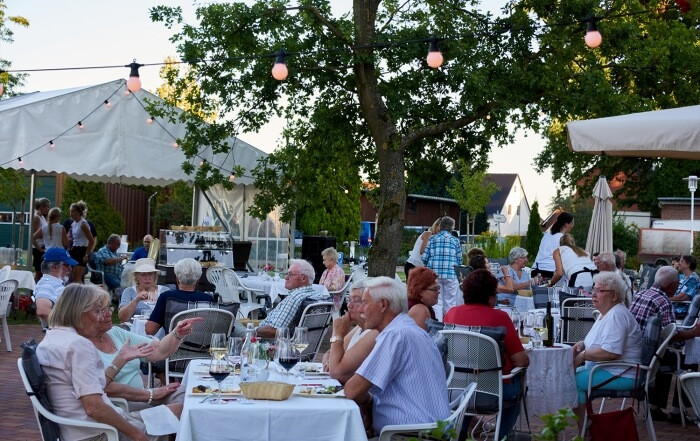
pixel 207 397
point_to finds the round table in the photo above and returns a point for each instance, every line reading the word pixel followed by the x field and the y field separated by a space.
pixel 550 379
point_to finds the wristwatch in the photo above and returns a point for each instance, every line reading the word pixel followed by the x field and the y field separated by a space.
pixel 335 339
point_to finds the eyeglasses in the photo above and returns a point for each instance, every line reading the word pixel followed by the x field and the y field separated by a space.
pixel 434 288
pixel 598 291
pixel 293 274
pixel 354 301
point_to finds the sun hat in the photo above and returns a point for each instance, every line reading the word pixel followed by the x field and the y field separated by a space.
pixel 58 254
pixel 145 265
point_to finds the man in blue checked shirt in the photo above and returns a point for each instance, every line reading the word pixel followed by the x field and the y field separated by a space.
pixel 441 255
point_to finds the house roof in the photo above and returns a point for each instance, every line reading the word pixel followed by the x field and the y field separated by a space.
pixel 504 182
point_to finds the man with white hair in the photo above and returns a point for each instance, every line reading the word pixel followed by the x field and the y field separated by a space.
pixel 298 281
pixel 441 255
pixel 402 380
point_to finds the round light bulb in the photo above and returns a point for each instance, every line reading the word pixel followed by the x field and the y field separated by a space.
pixel 133 84
pixel 21 162
pixel 149 120
pixel 108 104
pixel 176 145
pixel 435 59
pixel 2 89
pixel 80 125
pixel 52 145
pixel 593 39
pixel 279 71
pixel 232 178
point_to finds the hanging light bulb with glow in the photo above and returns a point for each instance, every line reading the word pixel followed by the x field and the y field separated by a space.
pixel 80 125
pixel 21 162
pixel 279 70
pixel 134 82
pixel 175 145
pixel 108 104
pixel 593 37
pixel 149 120
pixel 52 145
pixel 232 177
pixel 434 58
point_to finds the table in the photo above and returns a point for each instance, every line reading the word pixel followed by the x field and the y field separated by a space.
pixel 318 419
pixel 550 379
pixel 524 304
pixel 274 288
pixel 25 279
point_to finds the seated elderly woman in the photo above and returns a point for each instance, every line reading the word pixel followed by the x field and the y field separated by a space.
pixel 114 344
pixel 333 276
pixel 350 347
pixel 145 289
pixel 511 278
pixel 76 377
pixel 479 290
pixel 423 291
pixel 614 336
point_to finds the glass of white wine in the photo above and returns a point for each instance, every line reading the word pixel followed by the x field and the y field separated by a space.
pixel 301 339
pixel 217 347
pixel 540 329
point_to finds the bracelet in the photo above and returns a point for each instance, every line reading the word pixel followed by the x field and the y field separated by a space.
pixel 150 396
pixel 109 376
pixel 177 337
pixel 116 369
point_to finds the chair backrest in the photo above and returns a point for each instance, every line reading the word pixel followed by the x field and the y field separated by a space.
pixel 477 359
pixel 345 287
pixel 646 278
pixel 233 285
pixel 174 307
pixel 196 345
pixel 665 337
pixel 540 295
pixel 5 272
pixel 315 317
pixel 577 319
pixel 693 311
pixel 34 382
pixel 690 382
pixel 216 278
pixel 7 287
pixel 462 271
pixel 96 276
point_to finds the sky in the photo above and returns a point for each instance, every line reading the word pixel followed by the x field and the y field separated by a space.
pixel 77 33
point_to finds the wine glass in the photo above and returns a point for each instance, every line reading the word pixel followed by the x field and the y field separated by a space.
pixel 235 344
pixel 515 317
pixel 281 335
pixel 301 338
pixel 529 324
pixel 219 370
pixel 217 347
pixel 288 356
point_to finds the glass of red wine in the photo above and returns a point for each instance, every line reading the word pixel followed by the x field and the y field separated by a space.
pixel 288 356
pixel 219 369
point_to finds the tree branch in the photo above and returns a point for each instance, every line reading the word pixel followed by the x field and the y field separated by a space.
pixel 317 14
pixel 381 30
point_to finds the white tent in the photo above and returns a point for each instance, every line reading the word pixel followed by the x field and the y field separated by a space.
pixel 116 144
pixel 670 133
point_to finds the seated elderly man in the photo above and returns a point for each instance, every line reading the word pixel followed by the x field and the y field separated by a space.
pixel 76 377
pixel 56 268
pixel 402 381
pixel 298 281
pixel 109 262
pixel 655 301
pixel 142 252
pixel 187 274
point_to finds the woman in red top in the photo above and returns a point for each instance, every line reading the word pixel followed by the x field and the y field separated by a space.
pixel 479 289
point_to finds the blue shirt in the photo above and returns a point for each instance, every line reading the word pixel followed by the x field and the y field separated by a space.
pixel 689 286
pixel 49 287
pixel 407 376
pixel 105 253
pixel 158 314
pixel 139 253
pixel 442 253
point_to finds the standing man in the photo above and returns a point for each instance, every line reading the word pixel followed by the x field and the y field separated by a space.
pixel 402 381
pixel 110 262
pixel 142 252
pixel 441 255
pixel 56 268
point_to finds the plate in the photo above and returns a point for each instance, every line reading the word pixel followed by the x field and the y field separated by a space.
pixel 225 393
pixel 311 368
pixel 311 392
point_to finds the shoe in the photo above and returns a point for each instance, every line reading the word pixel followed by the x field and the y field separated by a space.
pixel 674 418
pixel 659 415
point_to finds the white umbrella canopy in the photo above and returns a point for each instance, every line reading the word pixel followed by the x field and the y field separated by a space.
pixel 600 231
pixel 669 133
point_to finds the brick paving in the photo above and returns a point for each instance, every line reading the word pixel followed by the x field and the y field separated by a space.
pixel 18 422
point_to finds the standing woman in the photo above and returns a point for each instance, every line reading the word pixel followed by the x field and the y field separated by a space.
pixel 41 209
pixel 83 240
pixel 573 264
pixel 53 234
pixel 544 262
pixel 414 256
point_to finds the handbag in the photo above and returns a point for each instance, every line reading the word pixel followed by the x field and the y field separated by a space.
pixel 618 425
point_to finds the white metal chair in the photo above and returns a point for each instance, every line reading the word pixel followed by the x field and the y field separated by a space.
pixel 690 382
pixel 576 319
pixel 689 322
pixel 653 352
pixel 477 358
pixel 234 287
pixel 316 317
pixel 196 345
pixel 7 287
pixel 46 418
pixel 454 421
pixel 339 296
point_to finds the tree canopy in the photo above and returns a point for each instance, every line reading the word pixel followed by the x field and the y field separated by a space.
pixel 360 98
pixel 9 81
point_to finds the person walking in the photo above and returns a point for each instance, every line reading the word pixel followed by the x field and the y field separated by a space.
pixel 441 255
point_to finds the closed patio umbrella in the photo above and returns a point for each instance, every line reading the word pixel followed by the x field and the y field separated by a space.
pixel 600 231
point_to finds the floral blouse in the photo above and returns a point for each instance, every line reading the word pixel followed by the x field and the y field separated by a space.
pixel 333 278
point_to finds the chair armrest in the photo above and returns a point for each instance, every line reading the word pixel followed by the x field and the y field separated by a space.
pixel 604 364
pixel 515 372
pixel 120 403
pixel 110 431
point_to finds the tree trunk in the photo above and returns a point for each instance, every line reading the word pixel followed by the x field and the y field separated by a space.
pixel 392 198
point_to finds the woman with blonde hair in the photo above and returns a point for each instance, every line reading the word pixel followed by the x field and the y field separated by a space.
pixel 41 209
pixel 53 234
pixel 83 241
pixel 572 263
pixel 414 256
pixel 333 276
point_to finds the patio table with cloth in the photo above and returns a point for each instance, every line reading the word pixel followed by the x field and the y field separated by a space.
pixel 550 380
pixel 297 418
pixel 25 279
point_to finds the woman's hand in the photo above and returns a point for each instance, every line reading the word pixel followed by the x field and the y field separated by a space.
pixel 341 326
pixel 185 327
pixel 141 297
pixel 161 392
pixel 128 352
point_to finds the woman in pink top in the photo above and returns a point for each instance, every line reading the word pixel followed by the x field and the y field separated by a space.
pixel 333 277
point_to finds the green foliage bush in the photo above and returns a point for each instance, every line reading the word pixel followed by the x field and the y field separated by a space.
pixel 534 232
pixel 626 238
pixel 494 246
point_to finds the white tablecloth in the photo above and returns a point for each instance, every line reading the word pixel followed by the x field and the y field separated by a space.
pixel 524 304
pixel 25 279
pixel 550 380
pixel 692 351
pixel 274 288
pixel 297 418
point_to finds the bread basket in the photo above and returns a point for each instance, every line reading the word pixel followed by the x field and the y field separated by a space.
pixel 267 390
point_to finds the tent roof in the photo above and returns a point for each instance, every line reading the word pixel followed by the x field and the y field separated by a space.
pixel 115 145
pixel 669 133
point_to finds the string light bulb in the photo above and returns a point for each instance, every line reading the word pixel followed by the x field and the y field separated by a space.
pixel 134 82
pixel 434 58
pixel 201 163
pixel 279 70
pixel 175 145
pixel 149 120
pixel 21 162
pixel 2 88
pixel 108 104
pixel 593 37
pixel 80 125
pixel 52 145
pixel 232 177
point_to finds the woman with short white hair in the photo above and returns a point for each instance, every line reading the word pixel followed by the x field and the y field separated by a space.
pixel 333 277
pixel 512 278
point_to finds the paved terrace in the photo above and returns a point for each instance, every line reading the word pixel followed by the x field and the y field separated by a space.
pixel 18 422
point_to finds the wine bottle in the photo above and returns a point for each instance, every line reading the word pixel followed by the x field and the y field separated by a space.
pixel 549 323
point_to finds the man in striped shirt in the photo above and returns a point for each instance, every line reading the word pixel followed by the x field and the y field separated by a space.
pixel 441 255
pixel 402 381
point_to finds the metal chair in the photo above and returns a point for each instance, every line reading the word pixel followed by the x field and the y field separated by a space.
pixel 454 421
pixel 477 358
pixel 7 287
pixel 316 317
pixel 676 349
pixel 196 345
pixel 233 290
pixel 577 319
pixel 462 271
pixel 690 382
pixel 655 344
pixel 339 296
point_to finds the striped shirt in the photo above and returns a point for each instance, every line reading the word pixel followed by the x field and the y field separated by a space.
pixel 407 376
pixel 651 302
pixel 284 313
pixel 442 254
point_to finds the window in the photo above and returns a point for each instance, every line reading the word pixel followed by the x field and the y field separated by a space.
pixel 412 206
pixel 510 208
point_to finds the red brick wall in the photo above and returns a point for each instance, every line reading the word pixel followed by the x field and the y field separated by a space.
pixel 678 211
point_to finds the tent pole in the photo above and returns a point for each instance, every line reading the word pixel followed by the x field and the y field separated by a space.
pixel 32 192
